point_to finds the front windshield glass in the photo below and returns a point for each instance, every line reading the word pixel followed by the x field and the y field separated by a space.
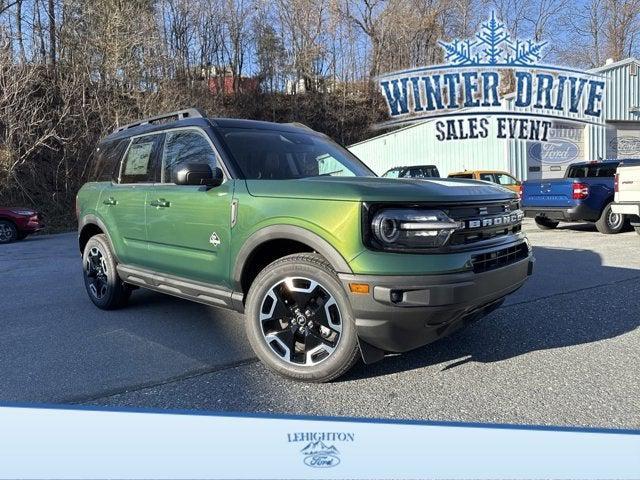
pixel 278 155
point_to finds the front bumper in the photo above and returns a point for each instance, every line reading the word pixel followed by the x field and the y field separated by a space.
pixel 574 214
pixel 32 225
pixel 430 306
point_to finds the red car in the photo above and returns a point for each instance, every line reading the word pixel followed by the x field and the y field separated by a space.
pixel 17 223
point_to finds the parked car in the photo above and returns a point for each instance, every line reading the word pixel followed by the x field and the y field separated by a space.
pixel 627 191
pixel 495 176
pixel 17 223
pixel 585 194
pixel 414 171
pixel 328 262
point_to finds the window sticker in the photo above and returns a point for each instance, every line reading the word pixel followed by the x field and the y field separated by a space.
pixel 138 159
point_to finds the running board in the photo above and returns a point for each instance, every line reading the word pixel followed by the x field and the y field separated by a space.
pixel 200 292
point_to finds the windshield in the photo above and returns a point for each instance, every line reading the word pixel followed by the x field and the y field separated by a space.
pixel 413 172
pixel 278 155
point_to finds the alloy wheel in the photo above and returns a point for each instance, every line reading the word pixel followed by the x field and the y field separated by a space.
pixel 6 232
pixel 97 273
pixel 300 321
pixel 614 220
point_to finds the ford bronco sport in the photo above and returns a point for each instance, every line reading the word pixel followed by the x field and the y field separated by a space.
pixel 328 262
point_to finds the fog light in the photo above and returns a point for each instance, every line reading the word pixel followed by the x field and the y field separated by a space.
pixel 396 296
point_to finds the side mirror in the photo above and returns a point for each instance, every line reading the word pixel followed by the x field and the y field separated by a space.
pixel 199 174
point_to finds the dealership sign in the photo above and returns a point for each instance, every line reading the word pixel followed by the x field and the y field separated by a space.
pixel 464 93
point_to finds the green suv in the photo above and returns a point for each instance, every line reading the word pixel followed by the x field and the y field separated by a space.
pixel 328 262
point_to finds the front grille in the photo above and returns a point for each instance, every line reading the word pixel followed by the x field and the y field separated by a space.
pixel 480 212
pixel 499 258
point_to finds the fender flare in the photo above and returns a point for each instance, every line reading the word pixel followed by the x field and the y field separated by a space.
pixel 91 219
pixel 288 232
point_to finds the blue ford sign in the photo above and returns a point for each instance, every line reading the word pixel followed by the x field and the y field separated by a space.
pixel 557 151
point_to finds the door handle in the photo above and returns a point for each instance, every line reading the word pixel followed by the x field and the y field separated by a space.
pixel 110 201
pixel 160 203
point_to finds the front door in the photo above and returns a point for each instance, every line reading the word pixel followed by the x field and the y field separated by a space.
pixel 189 226
pixel 122 204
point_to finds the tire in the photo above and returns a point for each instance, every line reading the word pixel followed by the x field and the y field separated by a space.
pixel 637 229
pixel 279 326
pixel 8 232
pixel 544 223
pixel 609 222
pixel 104 287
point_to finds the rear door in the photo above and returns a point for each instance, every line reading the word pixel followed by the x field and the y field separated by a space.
pixel 122 203
pixel 189 227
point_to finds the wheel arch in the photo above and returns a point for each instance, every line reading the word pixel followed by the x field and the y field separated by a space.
pixel 273 242
pixel 89 226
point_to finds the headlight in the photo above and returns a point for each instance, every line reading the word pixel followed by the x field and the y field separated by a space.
pixel 399 228
pixel 27 213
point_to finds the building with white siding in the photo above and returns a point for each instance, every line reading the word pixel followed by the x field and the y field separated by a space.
pixel 618 137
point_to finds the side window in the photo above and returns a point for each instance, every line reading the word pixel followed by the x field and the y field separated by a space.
pixel 392 173
pixel 182 147
pixel 462 175
pixel 503 179
pixel 138 164
pixel 107 159
pixel 487 177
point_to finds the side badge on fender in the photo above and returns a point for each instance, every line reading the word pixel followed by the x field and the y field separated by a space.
pixel 214 239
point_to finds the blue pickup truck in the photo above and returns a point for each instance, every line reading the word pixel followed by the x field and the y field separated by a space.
pixel 584 194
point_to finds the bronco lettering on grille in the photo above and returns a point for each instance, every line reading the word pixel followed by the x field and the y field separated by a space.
pixel 497 221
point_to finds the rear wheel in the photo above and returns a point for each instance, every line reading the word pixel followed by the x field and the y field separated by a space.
pixel 637 229
pixel 105 288
pixel 299 319
pixel 8 232
pixel 610 222
pixel 544 223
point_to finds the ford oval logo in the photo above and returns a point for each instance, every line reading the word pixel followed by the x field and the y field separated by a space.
pixel 625 145
pixel 321 460
pixel 557 151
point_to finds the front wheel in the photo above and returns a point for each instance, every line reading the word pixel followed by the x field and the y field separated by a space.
pixel 610 222
pixel 544 223
pixel 299 319
pixel 105 288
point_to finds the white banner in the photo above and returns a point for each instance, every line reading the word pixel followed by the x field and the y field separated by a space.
pixel 84 443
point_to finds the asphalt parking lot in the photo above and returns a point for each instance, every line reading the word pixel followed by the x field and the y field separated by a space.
pixel 561 351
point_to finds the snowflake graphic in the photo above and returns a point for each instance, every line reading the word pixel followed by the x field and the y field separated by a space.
pixel 492 46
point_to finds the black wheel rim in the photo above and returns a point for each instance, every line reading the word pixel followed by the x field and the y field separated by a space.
pixel 614 220
pixel 97 273
pixel 6 232
pixel 300 321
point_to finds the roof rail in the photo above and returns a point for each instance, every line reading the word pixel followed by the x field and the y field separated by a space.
pixel 181 114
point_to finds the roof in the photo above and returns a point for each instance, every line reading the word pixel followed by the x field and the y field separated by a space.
pixel 194 117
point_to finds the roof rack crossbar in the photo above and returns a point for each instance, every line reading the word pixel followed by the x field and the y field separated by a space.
pixel 180 114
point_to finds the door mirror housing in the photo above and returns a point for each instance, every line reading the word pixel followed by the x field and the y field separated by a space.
pixel 199 174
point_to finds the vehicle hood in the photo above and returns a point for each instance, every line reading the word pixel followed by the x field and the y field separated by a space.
pixel 376 189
